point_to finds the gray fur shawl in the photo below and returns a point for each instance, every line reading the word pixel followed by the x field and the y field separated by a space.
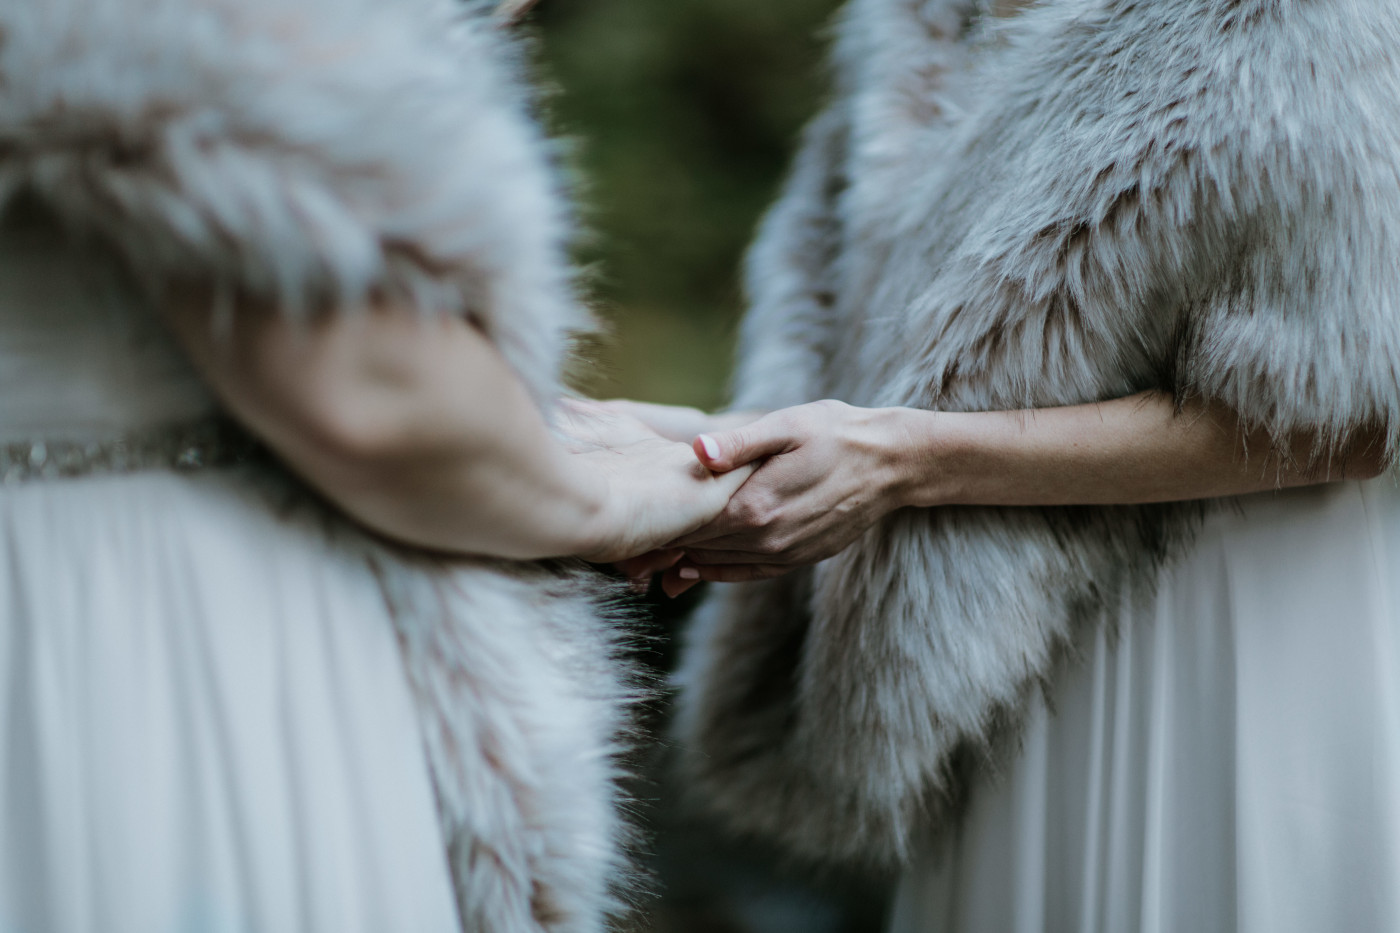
pixel 311 152
pixel 1093 198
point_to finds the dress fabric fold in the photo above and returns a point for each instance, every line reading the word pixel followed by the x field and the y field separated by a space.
pixel 207 722
pixel 1222 757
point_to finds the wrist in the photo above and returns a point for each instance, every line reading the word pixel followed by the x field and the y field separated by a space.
pixel 929 452
pixel 583 524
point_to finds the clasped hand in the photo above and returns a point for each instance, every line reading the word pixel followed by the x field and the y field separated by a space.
pixel 822 474
pixel 652 489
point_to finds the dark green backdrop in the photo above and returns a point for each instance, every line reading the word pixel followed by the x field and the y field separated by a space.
pixel 680 116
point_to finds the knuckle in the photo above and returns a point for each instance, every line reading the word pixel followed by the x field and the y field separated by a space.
pixel 747 513
pixel 752 518
pixel 772 544
pixel 769 510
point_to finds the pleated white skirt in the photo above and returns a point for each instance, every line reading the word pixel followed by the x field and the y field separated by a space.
pixel 1229 761
pixel 207 727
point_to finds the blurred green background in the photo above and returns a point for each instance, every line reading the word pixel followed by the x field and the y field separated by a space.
pixel 681 116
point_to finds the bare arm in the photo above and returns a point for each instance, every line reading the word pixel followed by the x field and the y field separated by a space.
pixel 417 428
pixel 1129 450
pixel 830 470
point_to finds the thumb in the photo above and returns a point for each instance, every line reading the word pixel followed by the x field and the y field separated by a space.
pixel 733 449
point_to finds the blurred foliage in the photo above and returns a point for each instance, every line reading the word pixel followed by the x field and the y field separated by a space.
pixel 683 115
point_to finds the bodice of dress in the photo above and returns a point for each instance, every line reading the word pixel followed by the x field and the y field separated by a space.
pixel 82 357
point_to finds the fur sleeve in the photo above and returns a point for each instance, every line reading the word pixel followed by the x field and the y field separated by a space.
pixel 1298 329
pixel 790 277
pixel 306 151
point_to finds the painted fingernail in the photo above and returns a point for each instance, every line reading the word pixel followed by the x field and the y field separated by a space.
pixel 711 446
pixel 688 573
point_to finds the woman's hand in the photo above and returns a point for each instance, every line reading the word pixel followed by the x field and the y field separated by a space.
pixel 827 472
pixel 654 492
pixel 590 427
pixel 832 470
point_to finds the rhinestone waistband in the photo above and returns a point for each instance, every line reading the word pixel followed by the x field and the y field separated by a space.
pixel 215 442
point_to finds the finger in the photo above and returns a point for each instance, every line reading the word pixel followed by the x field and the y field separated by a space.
pixel 722 487
pixel 686 575
pixel 642 567
pixel 713 556
pixel 732 529
pixel 726 450
pixel 673 584
pixel 724 527
pixel 741 573
pixel 728 483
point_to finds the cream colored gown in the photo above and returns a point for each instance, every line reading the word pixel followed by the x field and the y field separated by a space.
pixel 206 723
pixel 1229 762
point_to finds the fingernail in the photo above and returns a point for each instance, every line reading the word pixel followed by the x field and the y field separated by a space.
pixel 711 447
pixel 688 573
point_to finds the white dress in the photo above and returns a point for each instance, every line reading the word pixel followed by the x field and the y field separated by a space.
pixel 206 722
pixel 1229 762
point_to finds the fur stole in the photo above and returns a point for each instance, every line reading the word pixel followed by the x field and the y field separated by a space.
pixel 1094 198
pixel 312 153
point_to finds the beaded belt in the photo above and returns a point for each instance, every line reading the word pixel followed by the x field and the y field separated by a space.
pixel 214 442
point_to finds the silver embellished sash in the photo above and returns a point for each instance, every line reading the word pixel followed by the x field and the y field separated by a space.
pixel 213 442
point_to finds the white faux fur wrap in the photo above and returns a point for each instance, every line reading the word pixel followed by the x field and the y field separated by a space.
pixel 1090 199
pixel 312 153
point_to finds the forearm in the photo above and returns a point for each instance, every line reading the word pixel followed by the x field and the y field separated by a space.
pixel 1129 450
pixel 415 427
pixel 511 496
pixel 830 470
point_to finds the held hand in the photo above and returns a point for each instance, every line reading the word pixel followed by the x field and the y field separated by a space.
pixel 588 425
pixel 827 472
pixel 654 491
pixel 640 570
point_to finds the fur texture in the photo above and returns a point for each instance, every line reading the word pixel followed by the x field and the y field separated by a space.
pixel 523 711
pixel 308 152
pixel 313 153
pixel 1092 198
